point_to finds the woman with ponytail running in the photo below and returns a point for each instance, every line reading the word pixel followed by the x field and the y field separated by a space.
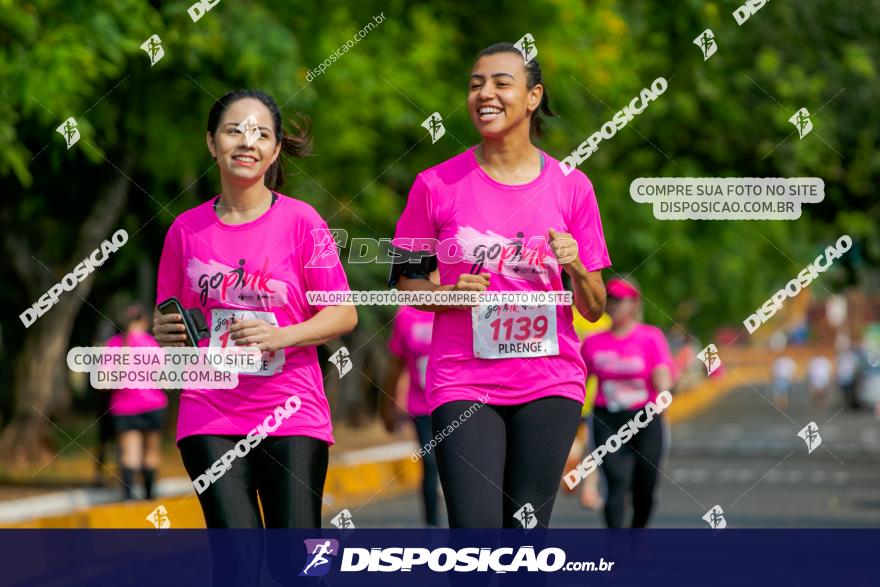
pixel 505 383
pixel 244 259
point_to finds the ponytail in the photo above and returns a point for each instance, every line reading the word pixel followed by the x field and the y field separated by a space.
pixel 297 145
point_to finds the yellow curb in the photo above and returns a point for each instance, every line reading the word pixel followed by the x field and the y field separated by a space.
pixel 688 404
pixel 346 485
pixel 184 512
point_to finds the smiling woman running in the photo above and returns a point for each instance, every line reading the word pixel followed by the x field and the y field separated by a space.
pixel 242 258
pixel 514 220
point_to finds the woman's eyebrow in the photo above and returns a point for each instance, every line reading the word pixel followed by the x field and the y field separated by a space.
pixel 494 75
pixel 238 123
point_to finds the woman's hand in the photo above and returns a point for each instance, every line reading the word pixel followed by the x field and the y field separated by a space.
pixel 258 333
pixel 168 329
pixel 465 282
pixel 468 282
pixel 587 286
pixel 565 249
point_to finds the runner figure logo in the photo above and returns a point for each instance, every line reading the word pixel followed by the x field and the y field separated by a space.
pixel 715 518
pixel 526 516
pixel 526 46
pixel 434 125
pixel 342 361
pixel 318 556
pixel 810 434
pixel 343 520
pixel 154 49
pixel 70 131
pixel 706 42
pixel 159 517
pixel 250 130
pixel 801 121
pixel 710 358
pixel 325 254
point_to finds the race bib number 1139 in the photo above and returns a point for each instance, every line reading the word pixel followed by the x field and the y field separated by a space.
pixel 511 330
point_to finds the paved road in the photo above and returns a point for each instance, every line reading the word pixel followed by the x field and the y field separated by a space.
pixel 744 455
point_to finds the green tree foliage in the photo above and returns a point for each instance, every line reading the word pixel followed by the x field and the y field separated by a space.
pixel 724 117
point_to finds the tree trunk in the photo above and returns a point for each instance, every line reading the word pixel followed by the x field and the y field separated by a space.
pixel 39 385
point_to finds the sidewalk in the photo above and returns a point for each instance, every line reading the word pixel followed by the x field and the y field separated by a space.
pixel 366 463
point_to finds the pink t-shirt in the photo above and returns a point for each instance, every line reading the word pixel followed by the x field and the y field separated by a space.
pixel 623 366
pixel 256 270
pixel 482 225
pixel 411 342
pixel 126 402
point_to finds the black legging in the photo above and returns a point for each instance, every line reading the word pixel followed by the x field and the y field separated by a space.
pixel 429 470
pixel 288 472
pixel 500 458
pixel 634 466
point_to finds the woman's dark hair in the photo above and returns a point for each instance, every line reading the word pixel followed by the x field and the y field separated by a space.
pixel 298 144
pixel 533 78
pixel 132 312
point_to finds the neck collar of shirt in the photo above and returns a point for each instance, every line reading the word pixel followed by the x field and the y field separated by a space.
pixel 256 221
pixel 505 186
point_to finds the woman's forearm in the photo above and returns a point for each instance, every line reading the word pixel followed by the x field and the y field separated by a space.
pixel 588 290
pixel 388 395
pixel 415 284
pixel 328 324
pixel 661 378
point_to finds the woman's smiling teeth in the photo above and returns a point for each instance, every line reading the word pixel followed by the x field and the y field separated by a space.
pixel 245 159
pixel 489 113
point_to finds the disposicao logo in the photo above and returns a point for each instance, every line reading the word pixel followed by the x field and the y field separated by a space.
pixel 319 553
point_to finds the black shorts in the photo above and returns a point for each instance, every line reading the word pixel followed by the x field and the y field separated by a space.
pixel 145 422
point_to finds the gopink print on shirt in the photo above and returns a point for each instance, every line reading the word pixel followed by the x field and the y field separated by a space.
pixel 511 257
pixel 236 286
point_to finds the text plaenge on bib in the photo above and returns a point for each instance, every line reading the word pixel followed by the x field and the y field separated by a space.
pixel 504 331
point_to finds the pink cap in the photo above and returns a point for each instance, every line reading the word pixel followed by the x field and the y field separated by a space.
pixel 619 288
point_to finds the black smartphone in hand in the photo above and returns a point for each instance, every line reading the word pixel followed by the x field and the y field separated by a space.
pixel 193 332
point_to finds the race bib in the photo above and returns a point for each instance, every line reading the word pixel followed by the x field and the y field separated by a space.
pixel 622 394
pixel 505 331
pixel 222 319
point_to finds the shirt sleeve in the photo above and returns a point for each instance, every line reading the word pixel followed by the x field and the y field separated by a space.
pixel 169 282
pixel 585 226
pixel 319 259
pixel 416 228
